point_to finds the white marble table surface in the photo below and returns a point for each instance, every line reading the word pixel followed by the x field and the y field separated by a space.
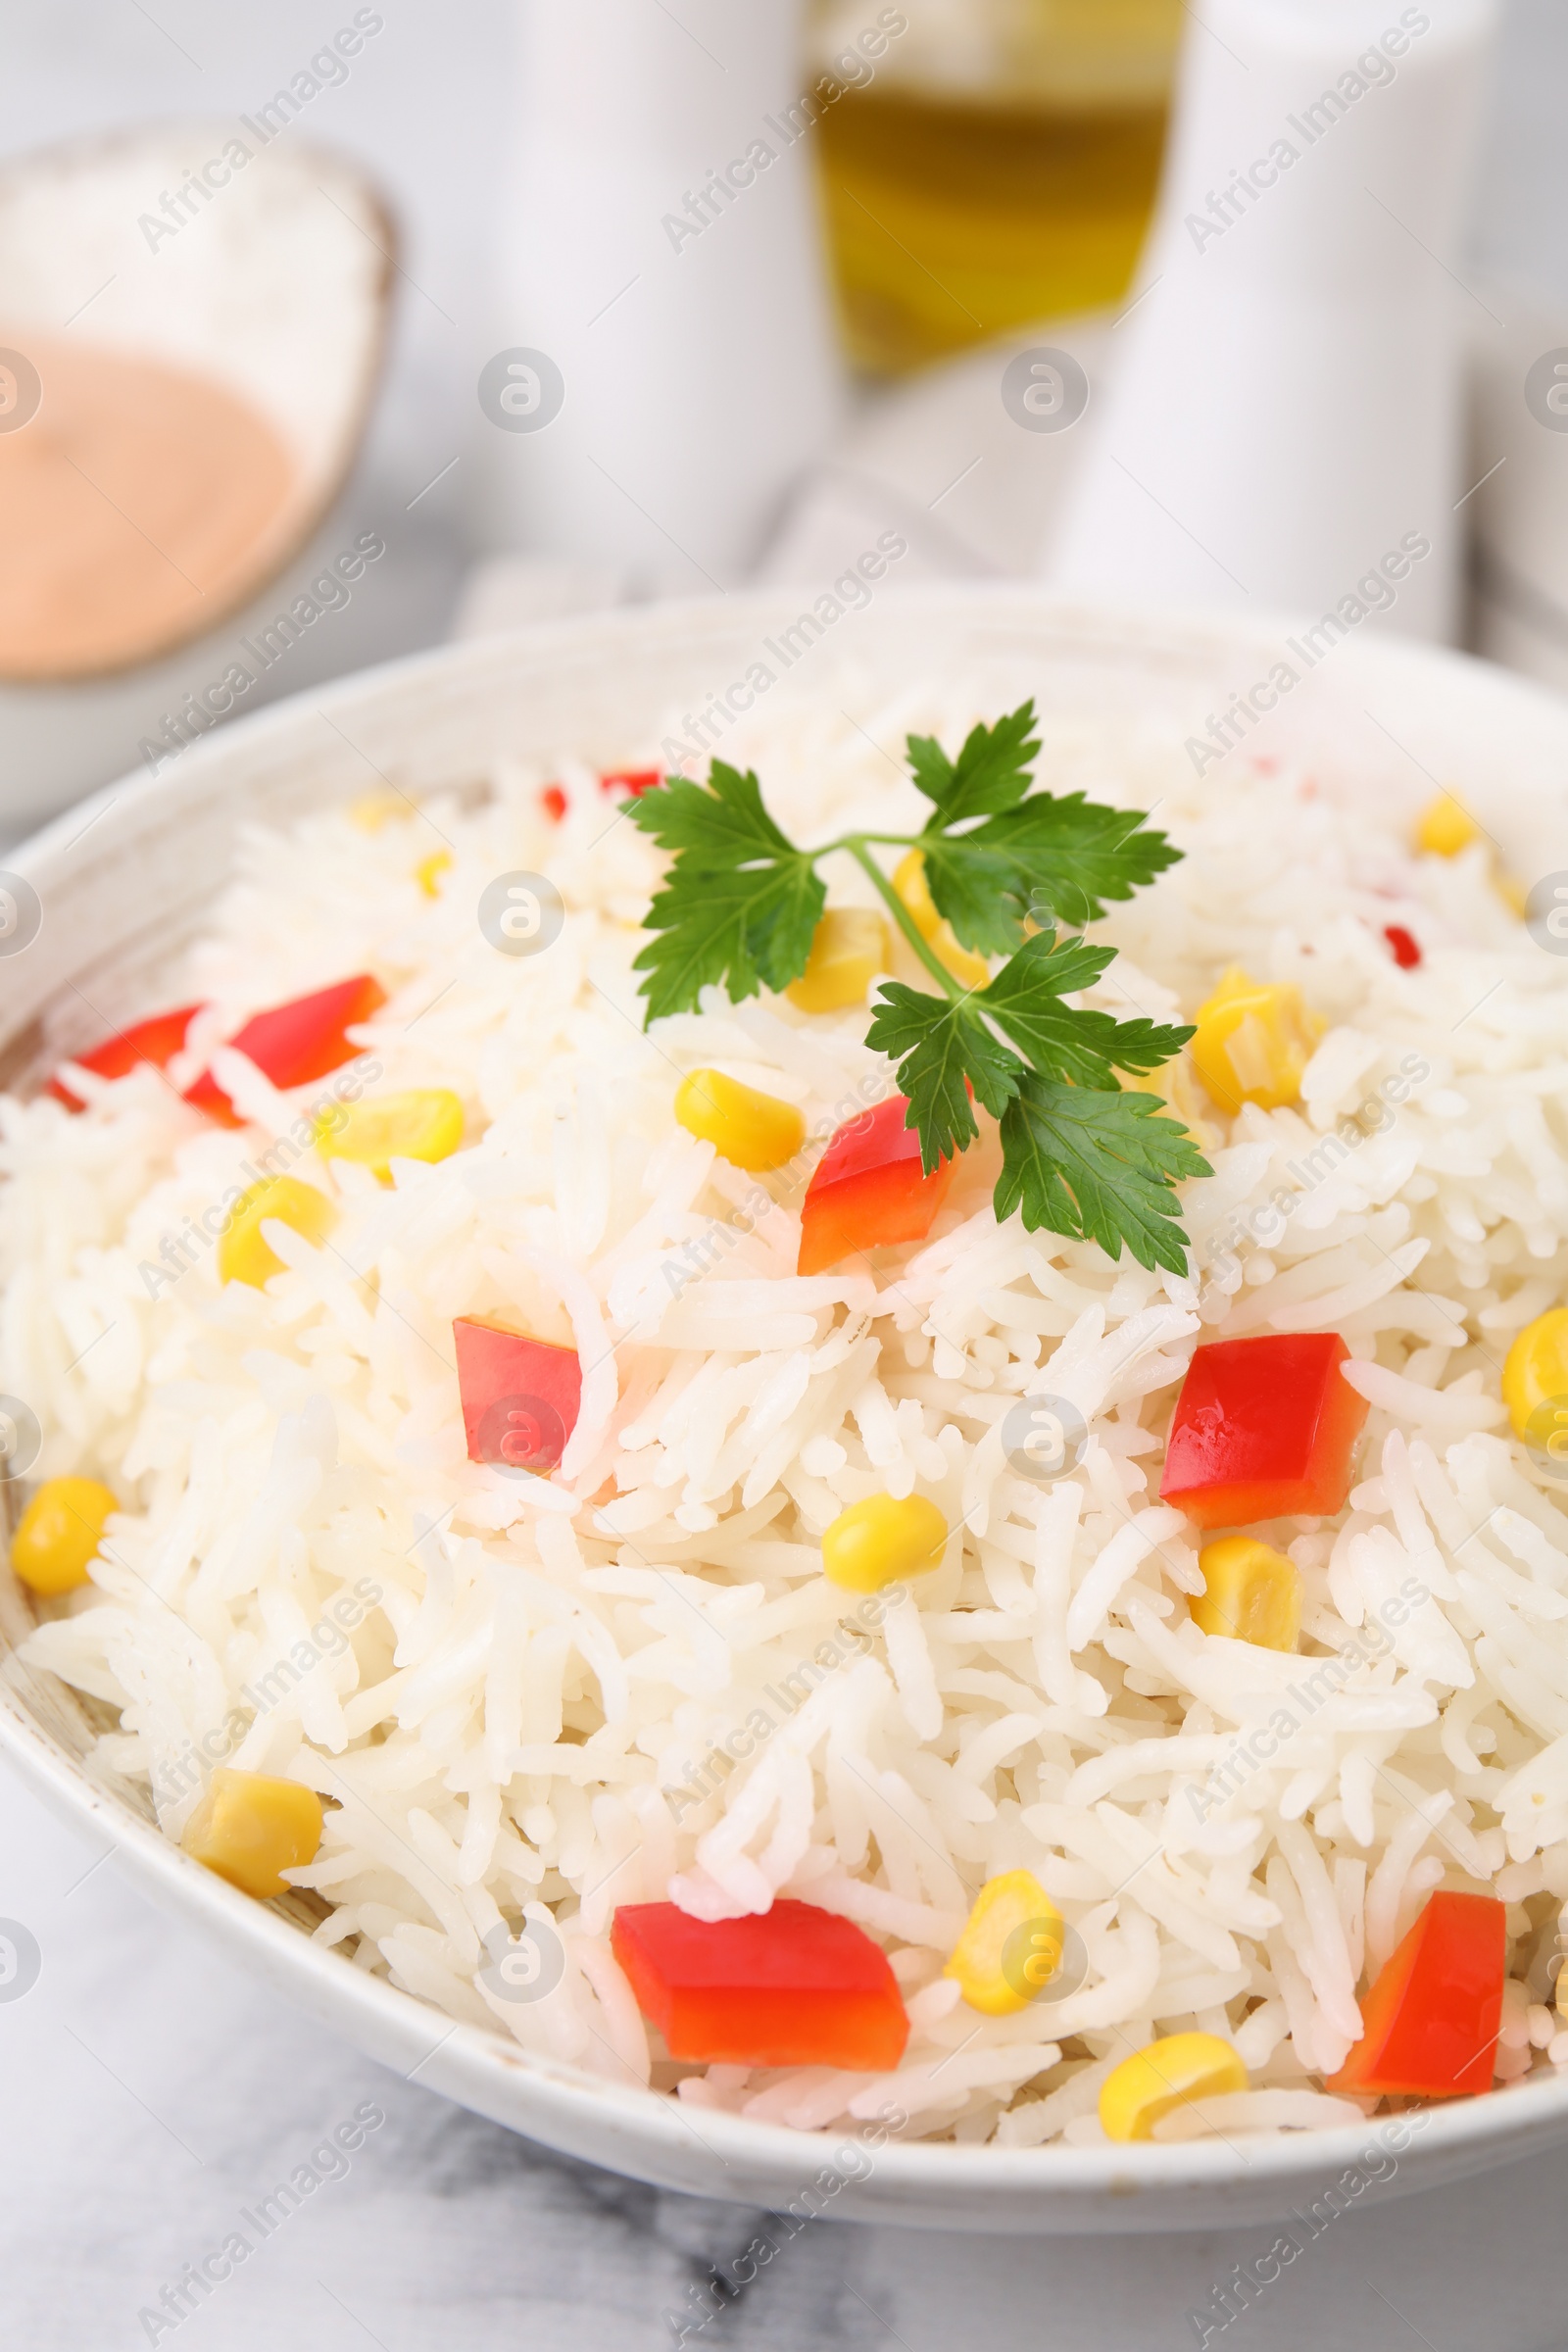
pixel 149 2091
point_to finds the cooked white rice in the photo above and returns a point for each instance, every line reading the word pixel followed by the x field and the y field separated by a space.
pixel 527 1710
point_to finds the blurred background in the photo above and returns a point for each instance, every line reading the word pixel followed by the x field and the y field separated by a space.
pixel 749 386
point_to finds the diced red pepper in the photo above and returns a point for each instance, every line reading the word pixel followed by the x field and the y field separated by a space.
pixel 156 1041
pixel 797 1987
pixel 632 782
pixel 1405 950
pixel 1262 1428
pixel 296 1043
pixel 554 802
pixel 1430 2023
pixel 520 1397
pixel 868 1189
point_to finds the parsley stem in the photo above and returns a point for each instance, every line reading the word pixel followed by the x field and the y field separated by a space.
pixel 855 844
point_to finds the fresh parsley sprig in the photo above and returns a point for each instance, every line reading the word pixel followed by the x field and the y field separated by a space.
pixel 1081 1154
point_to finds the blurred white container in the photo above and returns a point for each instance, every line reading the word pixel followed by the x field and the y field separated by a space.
pixel 659 253
pixel 1289 406
pixel 1519 456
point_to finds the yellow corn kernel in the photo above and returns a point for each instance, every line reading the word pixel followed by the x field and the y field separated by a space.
pixel 1446 826
pixel 749 1129
pixel 1010 1948
pixel 911 886
pixel 848 948
pixel 1249 1593
pixel 876 1541
pixel 1253 1040
pixel 426 1123
pixel 373 809
pixel 242 1254
pixel 1534 1383
pixel 250 1827
pixel 429 870
pixel 60 1533
pixel 1164 2075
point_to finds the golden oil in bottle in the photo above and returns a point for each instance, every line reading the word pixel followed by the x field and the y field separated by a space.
pixel 1000 166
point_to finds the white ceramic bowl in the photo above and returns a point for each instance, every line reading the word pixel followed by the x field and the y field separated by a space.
pixel 125 876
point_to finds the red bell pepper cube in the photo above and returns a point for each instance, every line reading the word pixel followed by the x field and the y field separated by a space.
pixel 1263 1428
pixel 156 1041
pixel 632 782
pixel 554 802
pixel 869 1189
pixel 1430 2023
pixel 1403 946
pixel 295 1043
pixel 520 1397
pixel 797 1987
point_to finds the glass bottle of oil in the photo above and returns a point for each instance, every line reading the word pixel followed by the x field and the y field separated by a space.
pixel 999 166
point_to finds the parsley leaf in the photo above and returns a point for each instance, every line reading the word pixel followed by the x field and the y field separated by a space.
pixel 1072 1043
pixel 740 904
pixel 991 772
pixel 1066 856
pixel 1054 857
pixel 740 901
pixel 978 890
pixel 937 1044
pixel 1099 1166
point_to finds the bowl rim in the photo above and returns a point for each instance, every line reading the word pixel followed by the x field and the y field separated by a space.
pixel 461 2060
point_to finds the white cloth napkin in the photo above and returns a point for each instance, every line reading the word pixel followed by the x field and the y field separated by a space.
pixel 938 460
